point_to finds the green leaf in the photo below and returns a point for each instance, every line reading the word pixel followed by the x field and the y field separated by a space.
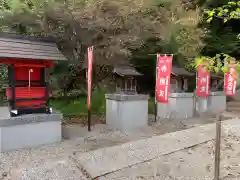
pixel 216 69
pixel 226 10
pixel 209 20
pixel 219 64
pixel 198 61
pixel 224 69
pixel 220 13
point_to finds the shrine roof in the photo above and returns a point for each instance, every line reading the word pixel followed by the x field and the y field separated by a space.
pixel 217 76
pixel 177 71
pixel 15 47
pixel 126 70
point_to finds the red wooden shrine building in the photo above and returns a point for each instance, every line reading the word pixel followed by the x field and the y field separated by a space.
pixel 29 60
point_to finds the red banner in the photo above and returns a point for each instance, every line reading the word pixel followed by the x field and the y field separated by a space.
pixel 163 74
pixel 203 82
pixel 230 82
pixel 89 75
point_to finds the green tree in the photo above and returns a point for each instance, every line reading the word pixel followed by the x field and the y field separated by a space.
pixel 225 13
pixel 113 27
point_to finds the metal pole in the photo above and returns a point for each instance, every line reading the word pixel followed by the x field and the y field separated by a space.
pixel 195 97
pixel 155 111
pixel 90 75
pixel 89 108
pixel 89 120
pixel 217 147
pixel 155 102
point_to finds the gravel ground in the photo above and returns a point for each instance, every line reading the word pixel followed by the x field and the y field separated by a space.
pixel 53 162
pixel 190 164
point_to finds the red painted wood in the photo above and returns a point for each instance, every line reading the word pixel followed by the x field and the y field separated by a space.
pixel 31 104
pixel 29 63
pixel 22 68
pixel 22 73
pixel 26 92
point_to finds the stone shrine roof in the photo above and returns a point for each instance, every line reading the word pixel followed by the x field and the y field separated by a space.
pixel 217 76
pixel 180 72
pixel 126 70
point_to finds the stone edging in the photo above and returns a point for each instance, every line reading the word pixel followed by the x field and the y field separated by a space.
pixel 126 97
pixel 31 118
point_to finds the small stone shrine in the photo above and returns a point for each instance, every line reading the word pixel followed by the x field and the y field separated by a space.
pixel 126 109
pixel 125 79
pixel 180 102
pixel 216 102
pixel 28 121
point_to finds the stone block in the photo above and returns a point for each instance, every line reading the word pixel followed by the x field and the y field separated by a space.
pixel 180 105
pixel 29 131
pixel 217 102
pixel 125 112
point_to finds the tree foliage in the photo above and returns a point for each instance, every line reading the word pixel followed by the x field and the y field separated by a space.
pixel 114 27
pixel 224 45
pixel 226 12
pixel 111 26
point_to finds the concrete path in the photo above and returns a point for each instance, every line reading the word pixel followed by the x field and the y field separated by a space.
pixel 107 160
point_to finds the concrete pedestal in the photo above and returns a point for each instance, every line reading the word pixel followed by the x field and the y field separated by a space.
pixel 202 105
pixel 217 102
pixel 180 105
pixel 125 112
pixel 213 104
pixel 28 131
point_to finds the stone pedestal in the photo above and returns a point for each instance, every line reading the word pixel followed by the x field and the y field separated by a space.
pixel 28 131
pixel 201 105
pixel 217 102
pixel 213 104
pixel 125 112
pixel 180 105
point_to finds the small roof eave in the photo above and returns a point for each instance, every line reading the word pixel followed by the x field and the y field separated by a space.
pixel 29 48
pixel 126 70
pixel 181 72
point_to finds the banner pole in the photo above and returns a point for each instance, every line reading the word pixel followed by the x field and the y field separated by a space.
pixel 217 147
pixel 89 120
pixel 155 101
pixel 195 106
pixel 89 84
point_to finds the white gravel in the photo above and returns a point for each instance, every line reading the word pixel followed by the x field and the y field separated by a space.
pixel 53 162
pixel 190 164
pixel 107 160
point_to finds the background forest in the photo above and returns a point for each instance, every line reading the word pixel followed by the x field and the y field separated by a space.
pixel 122 31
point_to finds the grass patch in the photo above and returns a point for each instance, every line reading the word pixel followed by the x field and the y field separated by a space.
pixel 151 105
pixel 78 106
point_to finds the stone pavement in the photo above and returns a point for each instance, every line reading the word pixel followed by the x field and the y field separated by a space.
pixel 107 160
